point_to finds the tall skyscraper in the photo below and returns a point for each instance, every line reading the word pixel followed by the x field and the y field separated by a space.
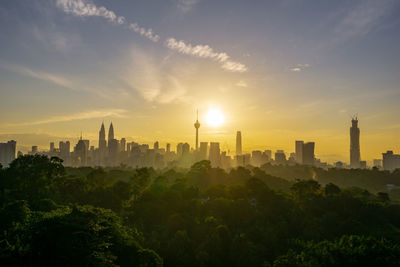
pixel 238 143
pixel 299 151
pixel 215 154
pixel 197 126
pixel 7 152
pixel 81 152
pixel 203 150
pixel 102 138
pixel 111 132
pixel 354 144
pixel 308 153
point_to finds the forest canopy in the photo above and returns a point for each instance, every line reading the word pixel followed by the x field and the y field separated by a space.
pixel 201 216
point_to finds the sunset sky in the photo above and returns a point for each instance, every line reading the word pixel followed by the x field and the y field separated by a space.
pixel 279 71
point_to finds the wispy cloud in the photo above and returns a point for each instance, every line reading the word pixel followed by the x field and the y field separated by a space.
pixel 363 18
pixel 148 33
pixel 186 5
pixel 44 76
pixel 85 8
pixel 205 51
pixel 300 67
pixel 115 113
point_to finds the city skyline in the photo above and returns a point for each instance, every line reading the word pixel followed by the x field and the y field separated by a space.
pixel 277 71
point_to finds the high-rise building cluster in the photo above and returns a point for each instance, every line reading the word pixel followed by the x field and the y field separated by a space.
pixel 114 152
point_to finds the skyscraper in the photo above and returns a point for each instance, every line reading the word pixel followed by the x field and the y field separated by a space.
pixel 102 138
pixel 354 144
pixel 7 152
pixel 215 154
pixel 238 143
pixel 299 151
pixel 203 150
pixel 308 153
pixel 197 126
pixel 123 144
pixel 111 133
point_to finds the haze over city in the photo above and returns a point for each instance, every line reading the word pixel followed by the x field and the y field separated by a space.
pixel 278 71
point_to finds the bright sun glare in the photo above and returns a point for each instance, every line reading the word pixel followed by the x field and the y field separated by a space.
pixel 215 118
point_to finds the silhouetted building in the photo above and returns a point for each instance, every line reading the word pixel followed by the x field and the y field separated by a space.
pixel 308 153
pixel 299 151
pixel 7 152
pixel 203 150
pixel 65 151
pixel 185 149
pixel 52 147
pixel 123 144
pixel 268 153
pixel 280 157
pixel 34 150
pixel 179 149
pixel 113 151
pixel 156 145
pixel 256 158
pixel 81 151
pixel 111 132
pixel 215 152
pixel 239 143
pixel 102 145
pixel 390 161
pixel 339 165
pixel 197 126
pixel 354 144
pixel 168 147
pixel 377 163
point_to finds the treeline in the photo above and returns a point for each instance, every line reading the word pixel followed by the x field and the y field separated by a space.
pixel 373 180
pixel 202 216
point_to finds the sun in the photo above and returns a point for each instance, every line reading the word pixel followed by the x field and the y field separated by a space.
pixel 215 118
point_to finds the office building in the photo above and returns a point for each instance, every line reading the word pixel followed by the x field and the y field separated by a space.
pixel 299 151
pixel 7 152
pixel 280 157
pixel 239 143
pixel 308 153
pixel 354 144
pixel 214 156
pixel 390 161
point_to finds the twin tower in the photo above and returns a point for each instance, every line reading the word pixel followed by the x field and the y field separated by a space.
pixel 102 136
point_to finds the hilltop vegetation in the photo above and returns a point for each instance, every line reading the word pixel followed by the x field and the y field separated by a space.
pixel 202 216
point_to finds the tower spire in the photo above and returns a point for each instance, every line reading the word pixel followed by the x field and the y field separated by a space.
pixel 197 126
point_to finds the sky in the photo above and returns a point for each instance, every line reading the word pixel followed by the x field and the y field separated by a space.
pixel 278 71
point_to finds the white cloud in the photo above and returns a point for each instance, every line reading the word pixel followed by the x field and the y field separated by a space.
pixel 205 51
pixel 84 8
pixel 144 32
pixel 300 67
pixel 115 113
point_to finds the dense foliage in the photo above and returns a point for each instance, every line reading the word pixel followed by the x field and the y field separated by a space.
pixel 203 216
